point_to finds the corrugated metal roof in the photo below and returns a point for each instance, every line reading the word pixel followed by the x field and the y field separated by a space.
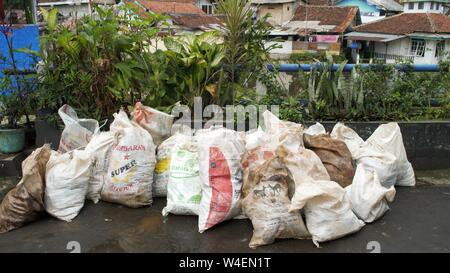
pixel 367 36
pixel 390 5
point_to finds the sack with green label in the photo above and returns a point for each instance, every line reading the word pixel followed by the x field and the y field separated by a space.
pixel 162 172
pixel 184 191
pixel 131 165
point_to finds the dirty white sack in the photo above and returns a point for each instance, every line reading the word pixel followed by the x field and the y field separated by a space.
pixel 67 181
pixel 131 165
pixel 328 212
pixel 162 172
pixel 315 129
pixel 157 123
pixel 383 152
pixel 184 190
pixel 220 153
pixel 77 132
pixel 368 198
pixel 389 138
pixel 100 148
pixel 267 206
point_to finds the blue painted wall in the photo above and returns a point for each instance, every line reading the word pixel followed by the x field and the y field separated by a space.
pixel 27 36
pixel 362 4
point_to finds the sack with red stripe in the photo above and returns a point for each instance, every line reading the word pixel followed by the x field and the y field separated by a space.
pixel 220 152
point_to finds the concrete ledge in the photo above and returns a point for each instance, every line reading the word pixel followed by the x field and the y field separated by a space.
pixel 427 143
pixel 11 164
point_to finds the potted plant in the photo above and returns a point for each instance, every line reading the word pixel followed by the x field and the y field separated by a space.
pixel 15 87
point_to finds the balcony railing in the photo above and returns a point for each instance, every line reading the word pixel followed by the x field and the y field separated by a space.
pixel 393 57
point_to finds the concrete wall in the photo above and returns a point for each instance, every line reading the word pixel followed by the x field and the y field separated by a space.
pixel 403 46
pixel 70 10
pixel 280 13
pixel 426 8
pixel 427 143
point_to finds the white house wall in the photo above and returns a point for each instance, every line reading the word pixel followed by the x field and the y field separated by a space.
pixel 402 47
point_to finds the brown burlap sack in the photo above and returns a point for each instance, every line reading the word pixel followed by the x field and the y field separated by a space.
pixel 334 155
pixel 25 202
pixel 267 206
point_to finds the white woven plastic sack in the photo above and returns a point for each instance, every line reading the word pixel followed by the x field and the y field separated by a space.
pixel 67 181
pixel 157 123
pixel 220 153
pixel 183 189
pixel 261 145
pixel 77 132
pixel 316 129
pixel 328 212
pixel 162 173
pixel 389 138
pixel 367 196
pixel 383 152
pixel 100 148
pixel 131 165
pixel 278 130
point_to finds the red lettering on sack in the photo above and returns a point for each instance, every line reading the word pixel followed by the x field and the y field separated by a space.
pixel 123 148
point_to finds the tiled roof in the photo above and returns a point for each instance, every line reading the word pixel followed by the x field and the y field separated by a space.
pixel 321 2
pixel 406 23
pixel 340 17
pixel 171 7
pixel 195 21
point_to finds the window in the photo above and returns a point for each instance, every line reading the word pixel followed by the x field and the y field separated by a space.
pixel 288 8
pixel 418 47
pixel 432 5
pixel 410 5
pixel 420 5
pixel 440 47
pixel 207 9
pixel 437 6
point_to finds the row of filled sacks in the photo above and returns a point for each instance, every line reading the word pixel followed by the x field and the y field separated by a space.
pixel 381 163
pixel 203 175
pixel 115 166
pixel 283 179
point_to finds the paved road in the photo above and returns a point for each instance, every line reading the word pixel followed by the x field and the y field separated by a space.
pixel 419 221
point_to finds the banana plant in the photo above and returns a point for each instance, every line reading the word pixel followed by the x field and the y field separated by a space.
pixel 196 61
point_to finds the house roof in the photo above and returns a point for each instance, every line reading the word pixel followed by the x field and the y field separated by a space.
pixel 338 17
pixel 390 5
pixel 59 2
pixel 407 23
pixel 170 7
pixel 321 2
pixel 195 21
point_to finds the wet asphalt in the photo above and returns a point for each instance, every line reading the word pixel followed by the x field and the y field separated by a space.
pixel 419 221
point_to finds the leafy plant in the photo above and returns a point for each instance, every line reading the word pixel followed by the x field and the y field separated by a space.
pixel 196 61
pixel 103 62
